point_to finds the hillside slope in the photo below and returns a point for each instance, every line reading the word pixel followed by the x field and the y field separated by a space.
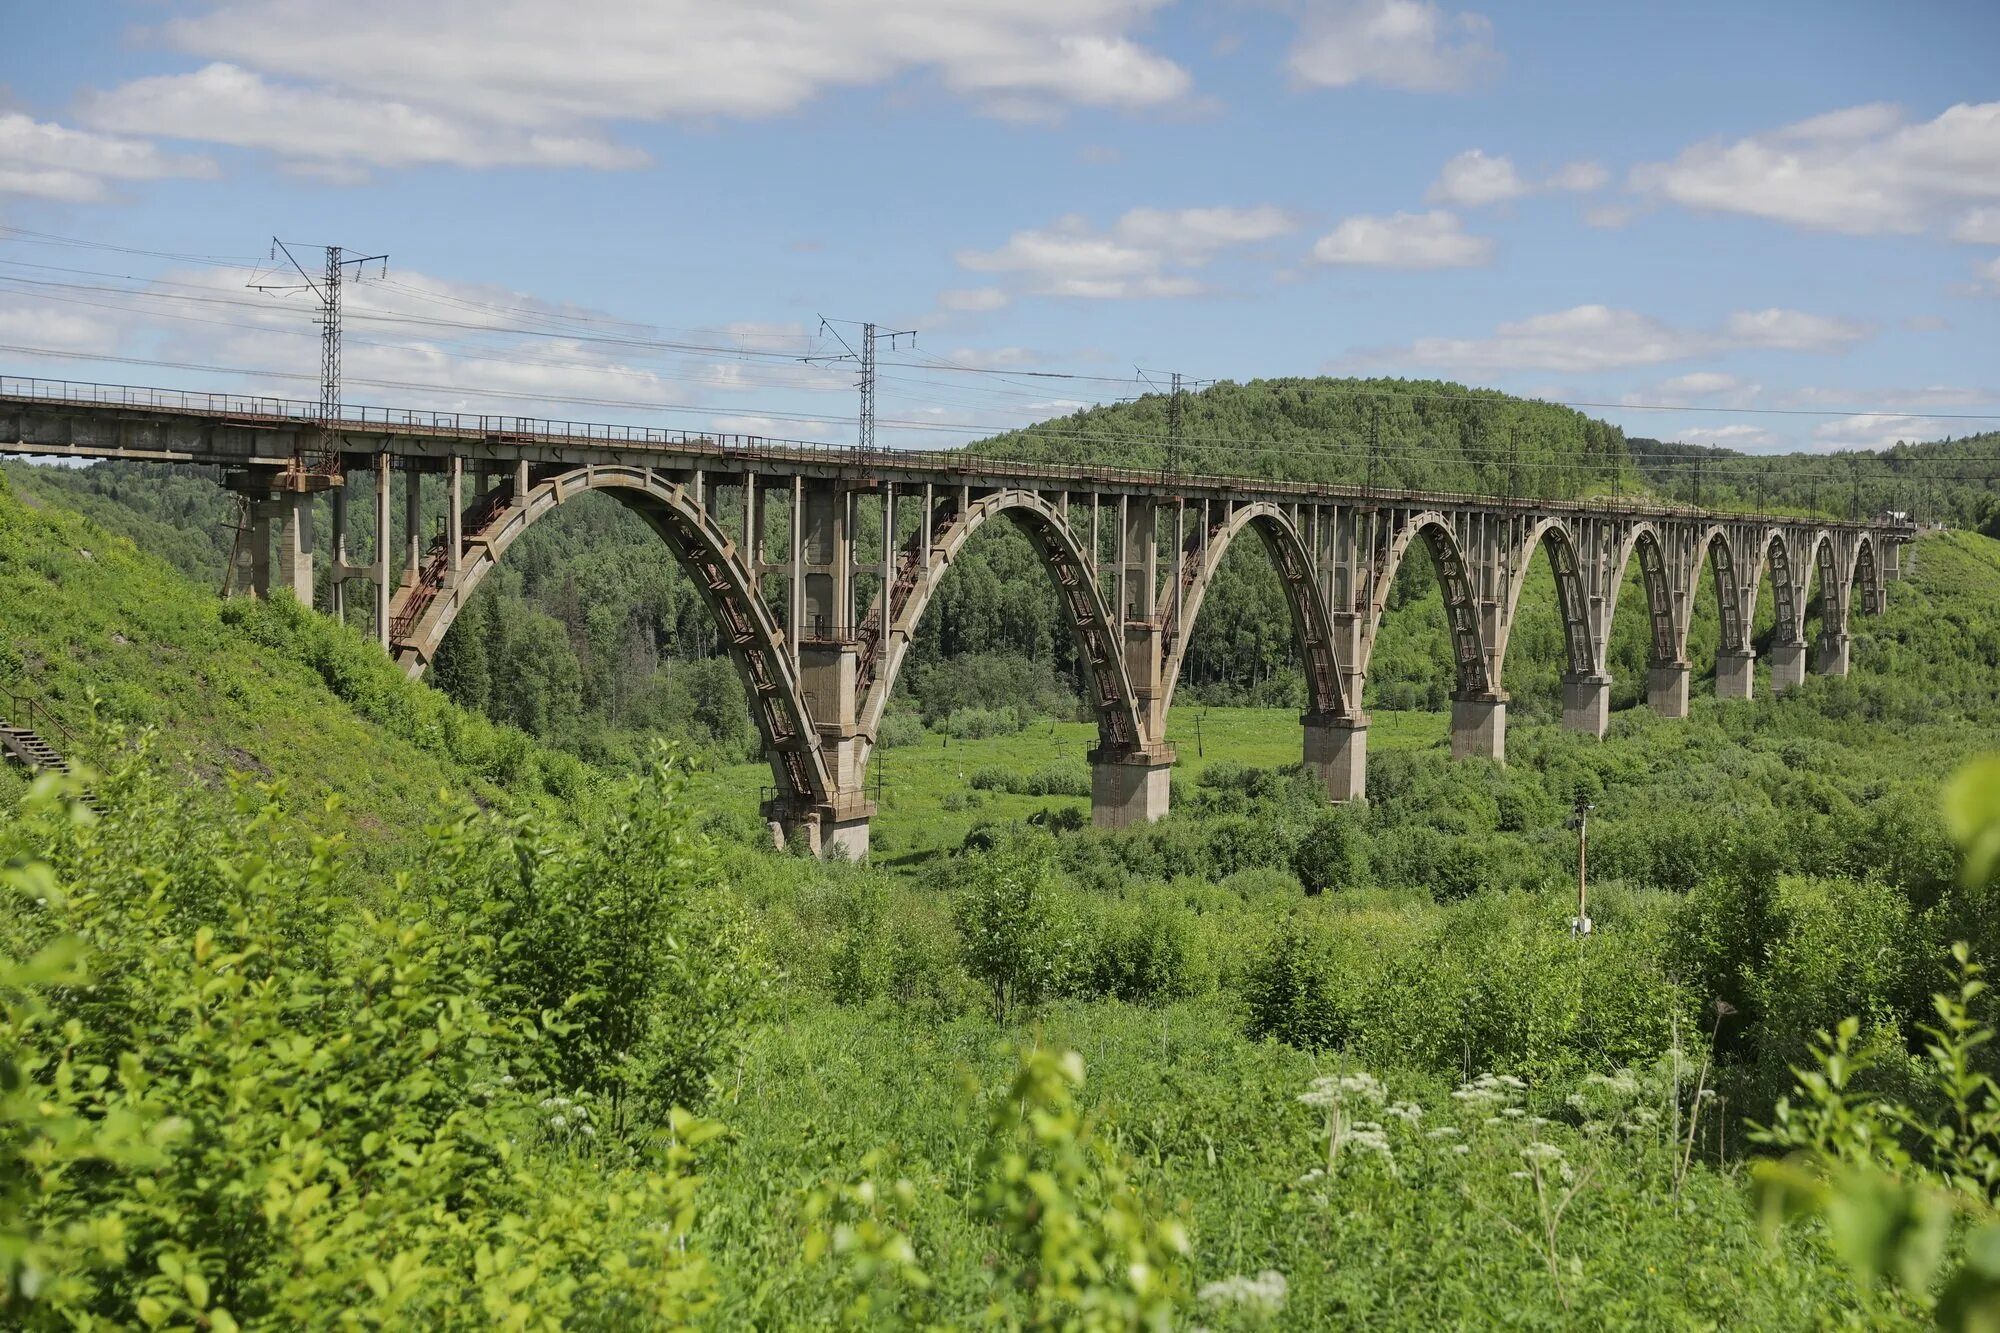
pixel 239 686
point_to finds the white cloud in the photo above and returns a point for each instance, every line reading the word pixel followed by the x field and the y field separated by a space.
pixel 1791 330
pixel 1579 177
pixel 966 300
pixel 1589 338
pixel 1733 436
pixel 1981 226
pixel 51 161
pixel 226 104
pixel 1407 240
pixel 490 82
pixel 1700 386
pixel 1989 276
pixel 1143 254
pixel 1880 431
pixel 1610 217
pixel 1412 45
pixel 1473 180
pixel 1864 170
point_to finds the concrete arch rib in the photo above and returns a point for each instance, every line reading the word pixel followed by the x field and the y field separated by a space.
pixel 1716 554
pixel 1580 658
pixel 423 613
pixel 1084 608
pixel 1645 542
pixel 1310 628
pixel 1455 581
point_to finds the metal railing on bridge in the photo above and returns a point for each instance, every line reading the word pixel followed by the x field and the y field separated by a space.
pixel 510 429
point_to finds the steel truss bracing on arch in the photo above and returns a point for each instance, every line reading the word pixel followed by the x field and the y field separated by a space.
pixel 819 564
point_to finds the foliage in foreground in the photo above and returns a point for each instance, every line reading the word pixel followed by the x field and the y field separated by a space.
pixel 1908 1190
pixel 232 1096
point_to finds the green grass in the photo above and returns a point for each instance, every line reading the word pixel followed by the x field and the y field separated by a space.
pixel 85 614
pixel 914 820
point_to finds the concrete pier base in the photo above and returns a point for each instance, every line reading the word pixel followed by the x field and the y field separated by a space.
pixel 1788 666
pixel 1667 688
pixel 821 832
pixel 1479 728
pixel 1336 753
pixel 1734 673
pixel 1587 704
pixel 1130 788
pixel 1830 655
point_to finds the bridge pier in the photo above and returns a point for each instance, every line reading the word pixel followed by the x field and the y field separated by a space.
pixel 1587 703
pixel 1667 688
pixel 1130 788
pixel 1830 654
pixel 1734 674
pixel 1336 752
pixel 1788 666
pixel 277 543
pixel 1479 727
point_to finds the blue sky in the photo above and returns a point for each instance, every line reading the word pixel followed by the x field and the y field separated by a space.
pixel 621 209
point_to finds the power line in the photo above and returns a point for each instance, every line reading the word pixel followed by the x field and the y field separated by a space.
pixel 1290 447
pixel 1372 389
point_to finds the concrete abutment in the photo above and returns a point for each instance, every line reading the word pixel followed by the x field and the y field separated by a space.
pixel 1130 788
pixel 1667 688
pixel 1734 674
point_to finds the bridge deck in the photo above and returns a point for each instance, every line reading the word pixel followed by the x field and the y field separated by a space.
pixel 74 419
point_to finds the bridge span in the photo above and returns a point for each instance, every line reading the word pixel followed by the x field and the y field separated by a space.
pixel 820 620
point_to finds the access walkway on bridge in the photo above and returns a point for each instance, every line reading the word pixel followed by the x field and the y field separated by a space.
pixel 820 627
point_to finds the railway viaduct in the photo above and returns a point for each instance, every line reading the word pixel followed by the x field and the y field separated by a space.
pixel 820 620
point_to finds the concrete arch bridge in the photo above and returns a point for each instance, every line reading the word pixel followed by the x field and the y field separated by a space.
pixel 820 622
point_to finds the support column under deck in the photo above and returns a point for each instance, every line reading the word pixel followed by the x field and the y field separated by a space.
pixel 1667 688
pixel 1788 666
pixel 1336 752
pixel 1734 674
pixel 1479 727
pixel 1131 788
pixel 1587 704
pixel 1830 655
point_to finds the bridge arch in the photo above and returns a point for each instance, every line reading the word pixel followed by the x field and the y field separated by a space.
pixel 1776 558
pixel 1865 572
pixel 1195 574
pixel 1715 552
pixel 1454 580
pixel 1082 601
pixel 420 617
pixel 1644 541
pixel 1580 656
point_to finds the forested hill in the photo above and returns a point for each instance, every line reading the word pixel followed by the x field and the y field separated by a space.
pixel 1953 481
pixel 1420 434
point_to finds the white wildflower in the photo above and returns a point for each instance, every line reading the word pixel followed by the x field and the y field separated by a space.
pixel 1542 1152
pixel 1461 1148
pixel 1264 1293
pixel 1442 1132
pixel 557 1122
pixel 1409 1113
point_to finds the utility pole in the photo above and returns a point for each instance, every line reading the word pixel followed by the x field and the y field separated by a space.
pixel 864 434
pixel 1374 440
pixel 1174 418
pixel 1580 821
pixel 318 466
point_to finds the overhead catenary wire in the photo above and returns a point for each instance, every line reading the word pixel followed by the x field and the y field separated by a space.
pixel 1373 389
pixel 1560 466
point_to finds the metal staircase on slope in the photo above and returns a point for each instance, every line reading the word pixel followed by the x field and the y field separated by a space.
pixel 28 748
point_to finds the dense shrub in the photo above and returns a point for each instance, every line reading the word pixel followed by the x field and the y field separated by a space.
pixel 1016 932
pixel 228 1096
pixel 1331 854
pixel 613 926
pixel 1148 951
